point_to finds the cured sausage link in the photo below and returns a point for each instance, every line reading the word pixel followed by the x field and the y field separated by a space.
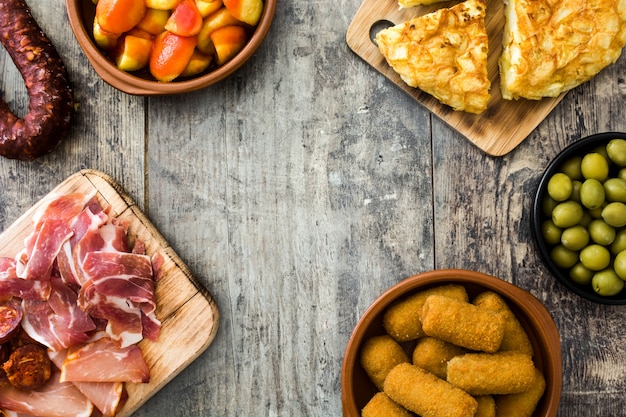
pixel 51 105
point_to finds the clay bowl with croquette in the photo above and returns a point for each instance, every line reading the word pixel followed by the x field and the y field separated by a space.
pixel 165 47
pixel 579 217
pixel 491 345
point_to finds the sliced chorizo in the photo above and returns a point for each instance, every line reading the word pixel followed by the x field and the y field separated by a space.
pixel 51 102
pixel 10 319
pixel 28 367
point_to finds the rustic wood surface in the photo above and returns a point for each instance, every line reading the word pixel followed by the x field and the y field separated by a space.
pixel 305 185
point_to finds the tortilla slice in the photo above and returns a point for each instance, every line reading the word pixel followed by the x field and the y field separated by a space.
pixel 550 47
pixel 443 53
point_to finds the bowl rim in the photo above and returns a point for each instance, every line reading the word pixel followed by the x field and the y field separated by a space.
pixel 134 85
pixel 537 217
pixel 521 299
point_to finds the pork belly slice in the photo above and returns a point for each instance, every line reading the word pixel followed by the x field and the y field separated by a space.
pixel 105 361
pixel 53 399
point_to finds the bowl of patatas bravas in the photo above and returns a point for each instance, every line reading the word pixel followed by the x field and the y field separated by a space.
pixel 453 343
pixel 161 47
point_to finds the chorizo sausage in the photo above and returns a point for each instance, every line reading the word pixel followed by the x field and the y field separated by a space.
pixel 10 318
pixel 51 105
pixel 28 367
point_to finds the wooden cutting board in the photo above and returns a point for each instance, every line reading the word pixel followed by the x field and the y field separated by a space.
pixel 189 315
pixel 505 123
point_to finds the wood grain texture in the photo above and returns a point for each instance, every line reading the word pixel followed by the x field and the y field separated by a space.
pixel 300 188
pixel 188 313
pixel 505 123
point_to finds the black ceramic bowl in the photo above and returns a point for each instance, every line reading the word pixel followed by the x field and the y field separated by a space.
pixel 580 148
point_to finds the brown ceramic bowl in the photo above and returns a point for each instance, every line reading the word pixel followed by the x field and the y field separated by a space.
pixel 81 15
pixel 357 389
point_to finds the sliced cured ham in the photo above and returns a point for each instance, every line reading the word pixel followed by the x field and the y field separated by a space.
pixel 37 264
pixel 91 218
pixel 88 295
pixel 51 228
pixel 104 361
pixel 13 286
pixel 120 289
pixel 54 399
pixel 57 323
pixel 107 397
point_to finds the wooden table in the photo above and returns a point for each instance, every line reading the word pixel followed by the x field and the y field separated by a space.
pixel 301 188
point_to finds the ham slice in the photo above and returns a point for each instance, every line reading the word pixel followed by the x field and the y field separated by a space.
pixel 90 219
pixel 107 397
pixel 37 264
pixel 57 323
pixel 104 361
pixel 51 228
pixel 12 286
pixel 54 399
pixel 120 289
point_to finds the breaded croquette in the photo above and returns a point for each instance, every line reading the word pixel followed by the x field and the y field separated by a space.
pixel 462 323
pixel 379 355
pixel 492 373
pixel 402 320
pixel 515 337
pixel 433 355
pixel 524 403
pixel 382 406
pixel 486 406
pixel 423 393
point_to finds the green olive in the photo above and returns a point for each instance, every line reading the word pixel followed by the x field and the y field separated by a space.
pixel 622 174
pixel 575 238
pixel 547 205
pixel 596 213
pixel 559 187
pixel 601 149
pixel 571 167
pixel 563 257
pixel 580 275
pixel 616 151
pixel 614 214
pixel 607 283
pixel 575 195
pixel 595 166
pixel 586 220
pixel 619 265
pixel 619 244
pixel 615 189
pixel 550 233
pixel 592 193
pixel 595 257
pixel 567 214
pixel 601 232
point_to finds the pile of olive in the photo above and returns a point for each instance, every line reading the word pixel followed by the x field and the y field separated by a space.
pixel 586 226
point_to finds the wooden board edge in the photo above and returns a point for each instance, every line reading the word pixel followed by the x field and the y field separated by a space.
pixel 139 394
pixel 359 41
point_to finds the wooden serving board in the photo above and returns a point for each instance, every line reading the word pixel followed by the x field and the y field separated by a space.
pixel 505 123
pixel 189 315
